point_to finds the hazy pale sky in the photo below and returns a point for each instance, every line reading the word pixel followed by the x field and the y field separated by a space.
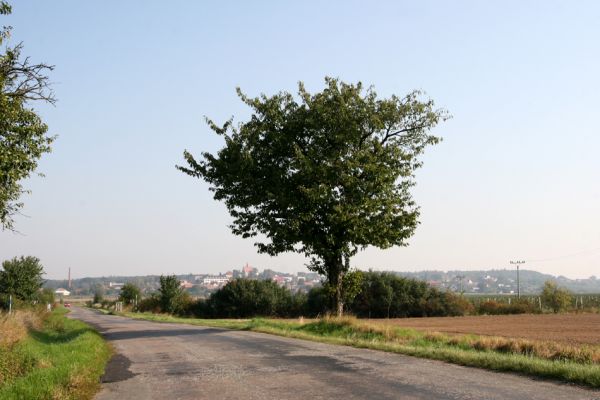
pixel 516 177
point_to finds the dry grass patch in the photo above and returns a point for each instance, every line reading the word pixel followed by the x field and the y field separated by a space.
pixel 14 327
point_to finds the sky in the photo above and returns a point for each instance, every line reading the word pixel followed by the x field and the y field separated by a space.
pixel 515 178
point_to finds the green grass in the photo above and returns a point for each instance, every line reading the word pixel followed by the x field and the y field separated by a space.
pixel 498 354
pixel 63 360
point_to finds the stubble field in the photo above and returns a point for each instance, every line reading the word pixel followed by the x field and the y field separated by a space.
pixel 572 329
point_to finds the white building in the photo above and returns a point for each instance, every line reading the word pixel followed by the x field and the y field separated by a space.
pixel 116 285
pixel 215 280
pixel 62 292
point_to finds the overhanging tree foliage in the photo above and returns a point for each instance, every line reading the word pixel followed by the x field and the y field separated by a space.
pixel 23 138
pixel 323 174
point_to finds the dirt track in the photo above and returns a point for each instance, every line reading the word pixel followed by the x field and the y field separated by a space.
pixel 566 328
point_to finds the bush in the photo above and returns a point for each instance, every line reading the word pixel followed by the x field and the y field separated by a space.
pixel 242 298
pixel 381 295
pixel 170 294
pixel 385 295
pixel 318 302
pixel 556 298
pixel 150 304
pixel 46 296
pixel 21 277
pixel 98 295
pixel 455 305
pixel 130 293
pixel 492 307
pixel 107 304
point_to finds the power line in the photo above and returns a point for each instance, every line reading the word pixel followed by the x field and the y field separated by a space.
pixel 566 255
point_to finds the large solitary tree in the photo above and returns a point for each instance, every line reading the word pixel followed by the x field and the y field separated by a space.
pixel 323 174
pixel 23 135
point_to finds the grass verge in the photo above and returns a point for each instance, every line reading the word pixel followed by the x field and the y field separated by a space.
pixel 60 359
pixel 573 364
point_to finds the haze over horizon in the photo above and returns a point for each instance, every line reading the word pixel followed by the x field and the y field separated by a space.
pixel 516 177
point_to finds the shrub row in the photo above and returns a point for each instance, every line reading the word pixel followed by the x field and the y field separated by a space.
pixel 381 295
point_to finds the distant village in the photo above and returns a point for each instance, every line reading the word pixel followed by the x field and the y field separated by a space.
pixel 495 281
pixel 196 284
pixel 300 281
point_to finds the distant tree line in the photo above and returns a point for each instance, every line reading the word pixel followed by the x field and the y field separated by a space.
pixel 377 295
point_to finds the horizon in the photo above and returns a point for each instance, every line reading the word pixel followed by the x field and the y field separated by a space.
pixel 513 178
pixel 296 272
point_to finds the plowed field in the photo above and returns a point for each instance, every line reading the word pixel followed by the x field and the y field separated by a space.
pixel 566 328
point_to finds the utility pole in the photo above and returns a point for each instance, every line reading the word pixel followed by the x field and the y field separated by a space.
pixel 460 280
pixel 518 263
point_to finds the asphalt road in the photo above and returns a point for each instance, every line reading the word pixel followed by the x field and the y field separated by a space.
pixel 174 361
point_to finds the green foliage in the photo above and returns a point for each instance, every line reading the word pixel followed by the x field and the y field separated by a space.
pixel 150 304
pixel 98 294
pixel 370 294
pixel 351 286
pixel 21 277
pixel 23 138
pixel 242 298
pixel 556 298
pixel 318 301
pixel 130 293
pixel 14 363
pixel 491 307
pixel 63 360
pixel 46 296
pixel 323 174
pixel 171 294
pixel 385 295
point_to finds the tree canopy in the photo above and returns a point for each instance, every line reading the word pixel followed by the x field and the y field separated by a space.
pixel 23 135
pixel 170 293
pixel 243 298
pixel 555 297
pixel 323 174
pixel 130 293
pixel 21 277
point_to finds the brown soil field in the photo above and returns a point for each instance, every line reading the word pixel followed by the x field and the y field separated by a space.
pixel 565 328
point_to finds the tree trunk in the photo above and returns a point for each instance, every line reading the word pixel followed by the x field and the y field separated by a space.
pixel 336 267
pixel 339 303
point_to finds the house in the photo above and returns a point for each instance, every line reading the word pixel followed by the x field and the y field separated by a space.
pixel 280 280
pixel 215 280
pixel 116 285
pixel 185 284
pixel 62 292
